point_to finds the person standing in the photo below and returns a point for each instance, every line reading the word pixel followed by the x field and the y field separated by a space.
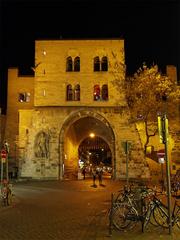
pixel 84 172
pixel 100 173
pixel 93 171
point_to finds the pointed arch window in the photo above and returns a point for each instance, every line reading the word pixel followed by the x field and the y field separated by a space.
pixel 96 64
pixel 69 93
pixel 104 64
pixel 77 93
pixel 69 64
pixel 96 92
pixel 77 64
pixel 105 92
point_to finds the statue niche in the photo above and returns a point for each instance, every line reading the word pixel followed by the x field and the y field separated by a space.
pixel 41 146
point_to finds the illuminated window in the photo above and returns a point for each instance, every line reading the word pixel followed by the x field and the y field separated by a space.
pixel 104 64
pixel 69 93
pixel 69 64
pixel 77 93
pixel 24 97
pixel 96 93
pixel 77 64
pixel 96 64
pixel 105 92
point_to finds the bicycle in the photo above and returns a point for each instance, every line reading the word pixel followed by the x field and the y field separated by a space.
pixel 160 214
pixel 6 193
pixel 128 208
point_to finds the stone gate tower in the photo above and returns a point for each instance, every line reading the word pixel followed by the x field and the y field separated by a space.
pixel 78 87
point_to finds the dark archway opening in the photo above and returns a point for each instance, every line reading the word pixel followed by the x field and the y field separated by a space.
pixel 95 152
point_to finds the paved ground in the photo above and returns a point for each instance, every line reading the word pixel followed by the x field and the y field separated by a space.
pixel 66 210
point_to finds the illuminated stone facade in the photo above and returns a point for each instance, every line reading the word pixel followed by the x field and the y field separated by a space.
pixel 77 88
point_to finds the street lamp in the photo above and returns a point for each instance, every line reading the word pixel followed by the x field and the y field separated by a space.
pixel 92 135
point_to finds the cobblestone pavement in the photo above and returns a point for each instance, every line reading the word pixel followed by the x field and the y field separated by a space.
pixel 66 210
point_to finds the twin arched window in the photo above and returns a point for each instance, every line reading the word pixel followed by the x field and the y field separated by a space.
pixel 73 94
pixel 101 93
pixel 100 65
pixel 73 65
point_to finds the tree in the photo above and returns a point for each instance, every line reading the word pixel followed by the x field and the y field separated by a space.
pixel 149 93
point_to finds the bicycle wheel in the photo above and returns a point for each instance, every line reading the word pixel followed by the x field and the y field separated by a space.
pixel 120 197
pixel 147 219
pixel 124 216
pixel 177 218
pixel 161 216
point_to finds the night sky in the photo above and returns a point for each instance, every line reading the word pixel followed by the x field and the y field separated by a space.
pixel 151 29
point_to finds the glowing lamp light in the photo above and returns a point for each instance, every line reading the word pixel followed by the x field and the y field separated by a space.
pixel 92 135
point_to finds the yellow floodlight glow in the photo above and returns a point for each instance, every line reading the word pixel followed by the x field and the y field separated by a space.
pixel 92 135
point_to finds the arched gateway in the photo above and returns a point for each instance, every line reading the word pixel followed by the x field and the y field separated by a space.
pixel 76 128
pixel 64 111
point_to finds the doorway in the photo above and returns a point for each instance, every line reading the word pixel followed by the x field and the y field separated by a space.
pixel 75 142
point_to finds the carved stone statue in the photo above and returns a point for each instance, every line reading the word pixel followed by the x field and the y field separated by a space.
pixel 41 147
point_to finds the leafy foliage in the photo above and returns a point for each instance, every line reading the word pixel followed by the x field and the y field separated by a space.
pixel 149 93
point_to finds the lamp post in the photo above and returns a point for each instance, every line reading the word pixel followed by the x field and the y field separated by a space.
pixel 163 134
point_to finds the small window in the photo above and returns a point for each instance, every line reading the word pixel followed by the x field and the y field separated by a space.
pixel 77 64
pixel 69 65
pixel 104 64
pixel 105 92
pixel 69 93
pixel 96 93
pixel 77 93
pixel 96 64
pixel 24 97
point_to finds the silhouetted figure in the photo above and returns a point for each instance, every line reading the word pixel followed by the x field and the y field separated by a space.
pixel 99 172
pixel 93 171
pixel 84 172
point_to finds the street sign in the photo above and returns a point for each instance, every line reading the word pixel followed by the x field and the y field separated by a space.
pixel 163 129
pixel 3 153
pixel 161 153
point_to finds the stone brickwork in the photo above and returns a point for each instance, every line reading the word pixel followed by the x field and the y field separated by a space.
pixel 64 124
pixel 17 85
pixel 56 165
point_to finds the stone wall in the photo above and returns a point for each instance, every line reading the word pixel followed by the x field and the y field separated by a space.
pixel 16 84
pixel 56 164
pixel 62 123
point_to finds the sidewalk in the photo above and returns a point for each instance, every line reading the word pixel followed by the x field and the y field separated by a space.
pixel 101 225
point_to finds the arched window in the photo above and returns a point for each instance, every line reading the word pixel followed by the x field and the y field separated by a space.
pixel 96 93
pixel 105 92
pixel 69 66
pixel 96 64
pixel 69 93
pixel 77 93
pixel 104 64
pixel 77 64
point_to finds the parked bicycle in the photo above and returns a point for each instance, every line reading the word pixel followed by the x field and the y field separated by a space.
pixel 160 213
pixel 127 210
pixel 6 193
pixel 129 207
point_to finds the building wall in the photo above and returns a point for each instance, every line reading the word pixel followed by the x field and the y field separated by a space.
pixel 52 78
pixel 16 85
pixel 51 116
pixel 51 167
